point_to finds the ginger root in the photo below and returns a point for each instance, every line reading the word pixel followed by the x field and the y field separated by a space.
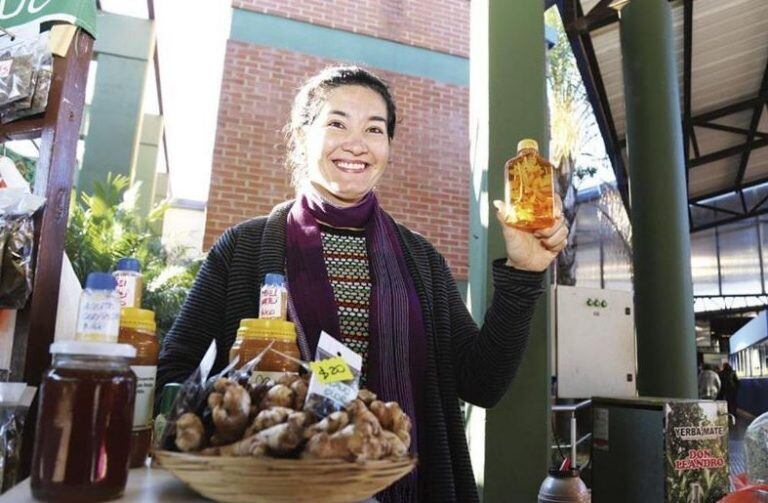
pixel 363 418
pixel 268 418
pixel 351 443
pixel 252 445
pixel 392 418
pixel 278 395
pixel 284 438
pixel 331 424
pixel 299 388
pixel 230 406
pixel 393 446
pixel 189 432
pixel 366 396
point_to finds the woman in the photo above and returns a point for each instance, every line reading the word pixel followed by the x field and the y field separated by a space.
pixel 380 288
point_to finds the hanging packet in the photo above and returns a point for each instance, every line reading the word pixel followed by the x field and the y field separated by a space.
pixel 36 100
pixel 15 399
pixel 16 245
pixel 335 378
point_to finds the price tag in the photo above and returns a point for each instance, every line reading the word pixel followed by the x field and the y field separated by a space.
pixel 331 370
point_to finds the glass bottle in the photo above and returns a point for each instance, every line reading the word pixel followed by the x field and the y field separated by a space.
pixel 98 315
pixel 84 420
pixel 129 281
pixel 529 188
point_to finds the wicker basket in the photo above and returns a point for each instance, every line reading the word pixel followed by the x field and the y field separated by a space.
pixel 241 479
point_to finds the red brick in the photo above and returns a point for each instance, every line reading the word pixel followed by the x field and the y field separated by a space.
pixel 427 183
pixel 440 25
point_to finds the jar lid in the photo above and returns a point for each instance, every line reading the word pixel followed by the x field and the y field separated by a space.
pixel 100 281
pixel 527 143
pixel 93 349
pixel 128 264
pixel 267 328
pixel 133 317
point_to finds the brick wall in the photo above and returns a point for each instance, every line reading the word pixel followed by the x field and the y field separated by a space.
pixel 426 187
pixel 440 25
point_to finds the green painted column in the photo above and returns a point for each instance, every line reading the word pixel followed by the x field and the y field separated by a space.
pixel 507 103
pixel 123 55
pixel 666 345
pixel 145 168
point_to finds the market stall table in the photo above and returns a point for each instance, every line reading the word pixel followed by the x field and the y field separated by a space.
pixel 145 485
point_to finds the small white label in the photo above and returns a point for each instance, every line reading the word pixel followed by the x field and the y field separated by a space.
pixel 271 303
pixel 145 393
pixel 5 68
pixel 98 319
pixel 261 376
pixel 127 285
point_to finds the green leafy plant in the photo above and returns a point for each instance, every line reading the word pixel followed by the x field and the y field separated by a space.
pixel 105 226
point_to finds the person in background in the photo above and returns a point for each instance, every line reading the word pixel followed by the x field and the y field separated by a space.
pixel 709 383
pixel 729 387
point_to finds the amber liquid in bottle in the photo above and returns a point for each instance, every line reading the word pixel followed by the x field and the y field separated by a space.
pixel 529 189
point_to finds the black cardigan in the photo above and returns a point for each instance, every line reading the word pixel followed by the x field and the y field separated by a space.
pixel 463 362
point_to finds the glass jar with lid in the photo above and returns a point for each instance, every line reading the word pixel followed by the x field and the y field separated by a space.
pixel 84 422
pixel 137 328
pixel 255 335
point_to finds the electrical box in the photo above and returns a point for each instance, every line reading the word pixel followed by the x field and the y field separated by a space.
pixel 595 343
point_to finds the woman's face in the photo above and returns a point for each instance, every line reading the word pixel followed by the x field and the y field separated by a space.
pixel 347 145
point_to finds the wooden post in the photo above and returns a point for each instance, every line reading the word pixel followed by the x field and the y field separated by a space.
pixel 59 131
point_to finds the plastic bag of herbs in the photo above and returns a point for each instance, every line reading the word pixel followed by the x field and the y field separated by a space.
pixel 17 239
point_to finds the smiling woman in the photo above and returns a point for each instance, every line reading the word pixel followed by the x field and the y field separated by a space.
pixel 371 283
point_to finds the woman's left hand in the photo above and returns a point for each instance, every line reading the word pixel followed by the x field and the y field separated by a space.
pixel 533 251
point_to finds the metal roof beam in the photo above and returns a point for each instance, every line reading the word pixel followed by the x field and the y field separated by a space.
pixel 599 16
pixel 728 152
pixel 730 109
pixel 731 129
pixel 729 220
pixel 729 190
pixel 584 53
pixel 753 127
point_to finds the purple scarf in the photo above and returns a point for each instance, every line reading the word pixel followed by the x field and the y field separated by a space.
pixel 397 346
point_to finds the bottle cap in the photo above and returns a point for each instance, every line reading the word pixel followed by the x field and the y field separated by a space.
pixel 527 143
pixel 100 281
pixel 274 279
pixel 142 319
pixel 93 349
pixel 128 264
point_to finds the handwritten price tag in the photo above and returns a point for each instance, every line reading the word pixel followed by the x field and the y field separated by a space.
pixel 331 370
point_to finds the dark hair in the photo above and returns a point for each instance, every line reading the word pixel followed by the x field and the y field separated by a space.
pixel 310 98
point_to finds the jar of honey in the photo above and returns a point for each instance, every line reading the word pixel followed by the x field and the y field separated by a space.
pixel 253 337
pixel 84 421
pixel 137 328
pixel 529 189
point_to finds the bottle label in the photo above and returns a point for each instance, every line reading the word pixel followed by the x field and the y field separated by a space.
pixel 98 320
pixel 272 303
pixel 145 393
pixel 128 290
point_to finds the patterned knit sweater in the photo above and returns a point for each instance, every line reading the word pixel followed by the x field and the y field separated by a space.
pixel 462 361
pixel 346 260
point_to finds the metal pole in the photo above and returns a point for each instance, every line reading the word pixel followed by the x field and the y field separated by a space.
pixel 508 103
pixel 661 235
